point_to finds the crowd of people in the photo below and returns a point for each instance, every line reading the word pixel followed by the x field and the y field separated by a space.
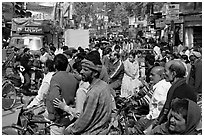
pixel 79 86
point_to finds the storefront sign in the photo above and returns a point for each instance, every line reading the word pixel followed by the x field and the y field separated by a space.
pixel 36 29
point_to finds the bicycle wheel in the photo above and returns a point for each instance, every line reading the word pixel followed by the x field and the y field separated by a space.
pixel 9 130
pixel 8 95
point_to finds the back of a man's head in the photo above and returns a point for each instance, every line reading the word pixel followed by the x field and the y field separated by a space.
pixel 94 56
pixel 178 67
pixel 25 50
pixel 60 62
pixel 150 59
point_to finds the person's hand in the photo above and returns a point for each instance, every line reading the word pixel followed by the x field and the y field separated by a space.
pixel 68 131
pixel 144 83
pixel 59 104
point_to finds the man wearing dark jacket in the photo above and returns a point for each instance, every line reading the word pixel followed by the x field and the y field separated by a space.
pixel 63 85
pixel 174 73
pixel 116 72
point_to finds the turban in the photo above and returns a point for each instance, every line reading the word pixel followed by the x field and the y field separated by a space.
pixel 91 65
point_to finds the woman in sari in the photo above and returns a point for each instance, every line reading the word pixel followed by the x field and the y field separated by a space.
pixel 130 82
pixel 183 119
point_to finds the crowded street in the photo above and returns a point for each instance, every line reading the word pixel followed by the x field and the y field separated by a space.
pixel 101 68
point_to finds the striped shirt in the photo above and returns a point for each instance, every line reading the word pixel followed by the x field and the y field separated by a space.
pixel 145 100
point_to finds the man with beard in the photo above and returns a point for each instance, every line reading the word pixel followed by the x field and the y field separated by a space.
pixel 96 114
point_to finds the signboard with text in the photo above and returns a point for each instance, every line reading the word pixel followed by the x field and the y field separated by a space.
pixel 172 11
pixel 32 30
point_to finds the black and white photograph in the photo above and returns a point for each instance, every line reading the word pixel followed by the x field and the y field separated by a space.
pixel 101 68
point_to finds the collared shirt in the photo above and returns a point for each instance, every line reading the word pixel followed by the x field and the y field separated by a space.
pixel 96 112
pixel 158 98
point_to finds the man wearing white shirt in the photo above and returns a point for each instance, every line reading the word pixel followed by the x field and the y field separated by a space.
pixel 49 68
pixel 157 100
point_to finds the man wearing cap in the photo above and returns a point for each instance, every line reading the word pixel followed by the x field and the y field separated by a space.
pixel 195 76
pixel 96 114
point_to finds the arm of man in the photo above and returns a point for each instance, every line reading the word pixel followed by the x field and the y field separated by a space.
pixel 54 92
pixel 85 118
pixel 41 93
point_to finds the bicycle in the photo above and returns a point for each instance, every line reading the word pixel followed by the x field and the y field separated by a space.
pixel 10 94
pixel 123 120
pixel 27 125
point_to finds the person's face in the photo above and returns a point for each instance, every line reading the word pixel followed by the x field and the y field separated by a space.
pixel 192 59
pixel 163 53
pixel 52 51
pixel 97 48
pixel 86 74
pixel 112 57
pixel 168 74
pixel 45 69
pixel 117 50
pixel 42 52
pixel 154 77
pixel 131 58
pixel 177 124
pixel 139 55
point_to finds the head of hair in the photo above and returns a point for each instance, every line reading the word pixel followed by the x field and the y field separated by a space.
pixel 50 65
pixel 80 56
pixel 64 48
pixel 178 67
pixel 116 47
pixel 16 49
pixel 108 50
pixel 138 52
pixel 185 57
pixel 51 44
pixel 68 52
pixel 97 45
pixel 53 48
pixel 132 53
pixel 77 66
pixel 42 49
pixel 94 56
pixel 60 62
pixel 80 49
pixel 180 106
pixel 150 59
pixel 25 50
pixel 117 55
